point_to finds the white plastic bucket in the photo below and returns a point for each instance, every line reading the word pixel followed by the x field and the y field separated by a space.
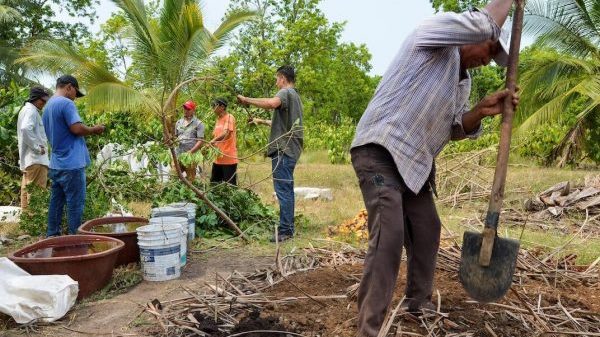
pixel 191 211
pixel 183 229
pixel 175 212
pixel 160 247
pixel 169 211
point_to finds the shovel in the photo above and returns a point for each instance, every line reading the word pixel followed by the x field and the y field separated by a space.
pixel 488 261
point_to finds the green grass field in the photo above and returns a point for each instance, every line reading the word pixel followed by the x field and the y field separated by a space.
pixel 314 170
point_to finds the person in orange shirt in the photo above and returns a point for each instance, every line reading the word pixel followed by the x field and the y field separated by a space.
pixel 225 167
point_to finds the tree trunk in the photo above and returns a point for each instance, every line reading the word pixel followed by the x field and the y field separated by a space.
pixel 569 147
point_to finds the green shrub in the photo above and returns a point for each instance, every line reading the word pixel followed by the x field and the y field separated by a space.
pixel 11 101
pixel 112 183
pixel 592 137
pixel 250 138
pixel 10 186
pixel 339 139
pixel 539 143
pixel 243 207
pixel 34 219
pixel 489 137
pixel 335 138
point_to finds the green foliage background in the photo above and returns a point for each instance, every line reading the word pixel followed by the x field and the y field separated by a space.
pixel 11 100
pixel 123 186
pixel 333 78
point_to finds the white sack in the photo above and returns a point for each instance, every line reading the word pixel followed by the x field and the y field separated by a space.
pixel 34 297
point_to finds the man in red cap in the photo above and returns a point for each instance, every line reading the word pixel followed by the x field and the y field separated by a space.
pixel 189 131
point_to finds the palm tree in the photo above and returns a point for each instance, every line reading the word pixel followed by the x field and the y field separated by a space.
pixel 8 13
pixel 7 54
pixel 168 50
pixel 564 68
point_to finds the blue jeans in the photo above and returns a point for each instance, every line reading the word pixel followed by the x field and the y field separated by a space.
pixel 68 187
pixel 283 182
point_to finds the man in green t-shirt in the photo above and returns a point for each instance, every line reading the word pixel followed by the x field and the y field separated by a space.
pixel 285 143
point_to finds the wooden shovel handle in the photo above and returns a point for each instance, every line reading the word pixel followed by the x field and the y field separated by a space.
pixel 497 195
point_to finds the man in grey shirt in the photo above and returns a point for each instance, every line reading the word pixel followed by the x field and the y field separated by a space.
pixel 286 142
pixel 420 105
pixel 189 131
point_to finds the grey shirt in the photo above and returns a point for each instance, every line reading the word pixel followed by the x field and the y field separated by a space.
pixel 287 133
pixel 188 134
pixel 421 99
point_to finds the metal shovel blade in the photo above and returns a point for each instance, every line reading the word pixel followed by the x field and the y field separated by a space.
pixel 487 284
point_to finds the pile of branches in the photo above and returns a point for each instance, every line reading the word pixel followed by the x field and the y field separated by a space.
pixel 231 298
pixel 562 198
pixel 534 314
pixel 541 316
pixel 464 177
pixel 551 268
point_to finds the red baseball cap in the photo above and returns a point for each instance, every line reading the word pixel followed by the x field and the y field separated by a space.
pixel 189 105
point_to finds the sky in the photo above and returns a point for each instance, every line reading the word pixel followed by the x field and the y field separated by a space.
pixel 380 24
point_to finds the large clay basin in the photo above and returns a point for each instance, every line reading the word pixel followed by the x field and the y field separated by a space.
pixel 87 259
pixel 110 227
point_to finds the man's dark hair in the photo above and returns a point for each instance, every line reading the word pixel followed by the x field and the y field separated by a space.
pixel 220 101
pixel 38 92
pixel 287 72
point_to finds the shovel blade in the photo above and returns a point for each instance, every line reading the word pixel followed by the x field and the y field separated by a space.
pixel 487 284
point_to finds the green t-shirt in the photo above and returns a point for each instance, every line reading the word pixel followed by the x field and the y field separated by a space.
pixel 287 131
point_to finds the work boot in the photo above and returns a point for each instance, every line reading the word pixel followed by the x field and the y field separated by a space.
pixel 282 237
pixel 417 310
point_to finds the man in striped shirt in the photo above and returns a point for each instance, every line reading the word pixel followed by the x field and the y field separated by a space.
pixel 419 106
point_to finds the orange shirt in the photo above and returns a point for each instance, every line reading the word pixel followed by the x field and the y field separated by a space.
pixel 228 146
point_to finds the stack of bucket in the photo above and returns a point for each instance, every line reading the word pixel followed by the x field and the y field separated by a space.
pixel 163 243
pixel 191 211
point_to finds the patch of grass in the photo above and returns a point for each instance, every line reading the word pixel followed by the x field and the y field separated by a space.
pixel 313 170
pixel 538 179
pixel 141 209
pixel 315 157
pixel 16 245
pixel 586 249
pixel 142 320
pixel 312 216
pixel 340 178
pixel 123 279
pixel 10 229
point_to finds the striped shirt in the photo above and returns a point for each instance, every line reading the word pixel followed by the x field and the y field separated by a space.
pixel 419 103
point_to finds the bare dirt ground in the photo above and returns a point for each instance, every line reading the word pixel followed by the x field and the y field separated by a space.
pixel 120 315
pixel 339 318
